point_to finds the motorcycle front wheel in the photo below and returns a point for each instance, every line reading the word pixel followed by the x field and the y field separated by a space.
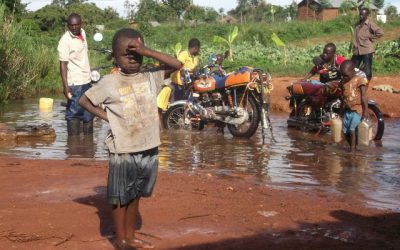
pixel 177 118
pixel 249 127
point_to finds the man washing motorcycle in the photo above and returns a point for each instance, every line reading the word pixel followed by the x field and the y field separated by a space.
pixel 355 102
pixel 327 65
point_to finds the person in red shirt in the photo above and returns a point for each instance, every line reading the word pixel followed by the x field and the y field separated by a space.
pixel 327 65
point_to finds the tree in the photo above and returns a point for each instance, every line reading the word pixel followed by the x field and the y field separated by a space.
pixel 292 10
pixel 211 15
pixel 61 3
pixel 391 11
pixel 14 6
pixel 379 3
pixel 195 13
pixel 221 11
pixel 347 6
pixel 179 6
pixel 129 9
pixel 325 4
pixel 146 10
pixel 152 10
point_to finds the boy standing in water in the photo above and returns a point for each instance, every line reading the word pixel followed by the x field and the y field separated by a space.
pixel 354 84
pixel 131 110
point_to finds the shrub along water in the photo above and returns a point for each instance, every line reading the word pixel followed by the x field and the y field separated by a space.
pixel 23 62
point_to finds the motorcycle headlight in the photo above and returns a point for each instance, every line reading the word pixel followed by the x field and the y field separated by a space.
pixel 95 75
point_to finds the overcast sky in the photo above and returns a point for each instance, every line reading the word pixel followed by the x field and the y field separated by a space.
pixel 216 4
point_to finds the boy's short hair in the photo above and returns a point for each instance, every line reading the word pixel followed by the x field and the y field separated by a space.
pixel 347 65
pixel 126 33
pixel 194 43
pixel 331 45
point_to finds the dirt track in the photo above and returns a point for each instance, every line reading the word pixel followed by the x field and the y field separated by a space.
pixel 54 204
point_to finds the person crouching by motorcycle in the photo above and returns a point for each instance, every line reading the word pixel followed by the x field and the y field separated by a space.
pixel 327 65
pixel 190 61
pixel 354 85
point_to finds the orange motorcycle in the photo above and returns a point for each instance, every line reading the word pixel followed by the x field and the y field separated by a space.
pixel 239 100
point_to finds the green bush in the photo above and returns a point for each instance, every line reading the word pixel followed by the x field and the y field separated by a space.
pixel 23 62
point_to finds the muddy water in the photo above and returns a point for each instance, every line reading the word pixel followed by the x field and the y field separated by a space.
pixel 297 160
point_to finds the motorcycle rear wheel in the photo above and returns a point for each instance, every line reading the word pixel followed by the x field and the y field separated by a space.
pixel 249 127
pixel 376 117
pixel 177 118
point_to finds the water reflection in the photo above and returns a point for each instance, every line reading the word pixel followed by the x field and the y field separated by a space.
pixel 297 160
pixel 80 146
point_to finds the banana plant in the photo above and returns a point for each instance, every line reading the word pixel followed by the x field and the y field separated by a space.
pixel 229 42
pixel 352 40
pixel 278 42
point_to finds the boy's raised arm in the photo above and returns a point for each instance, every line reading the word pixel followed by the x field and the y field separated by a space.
pixel 136 45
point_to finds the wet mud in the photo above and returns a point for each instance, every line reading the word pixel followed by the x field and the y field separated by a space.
pixel 213 191
pixel 54 204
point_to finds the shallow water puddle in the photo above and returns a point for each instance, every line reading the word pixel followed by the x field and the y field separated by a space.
pixel 298 160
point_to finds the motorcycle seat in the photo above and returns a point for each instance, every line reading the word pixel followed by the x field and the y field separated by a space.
pixel 307 88
pixel 205 84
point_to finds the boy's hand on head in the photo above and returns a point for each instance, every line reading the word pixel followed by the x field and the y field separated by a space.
pixel 136 45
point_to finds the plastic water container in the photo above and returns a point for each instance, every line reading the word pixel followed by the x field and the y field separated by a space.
pixel 364 133
pixel 45 104
pixel 336 129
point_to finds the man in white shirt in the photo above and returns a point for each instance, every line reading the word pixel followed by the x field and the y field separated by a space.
pixel 75 75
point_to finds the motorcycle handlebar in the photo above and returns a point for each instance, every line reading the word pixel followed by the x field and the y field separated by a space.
pixel 104 50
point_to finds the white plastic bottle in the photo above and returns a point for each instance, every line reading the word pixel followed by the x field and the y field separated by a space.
pixel 336 129
pixel 364 133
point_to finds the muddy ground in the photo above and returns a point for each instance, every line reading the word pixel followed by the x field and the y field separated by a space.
pixel 389 103
pixel 60 204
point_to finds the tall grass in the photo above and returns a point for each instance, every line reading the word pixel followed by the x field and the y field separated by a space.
pixel 23 61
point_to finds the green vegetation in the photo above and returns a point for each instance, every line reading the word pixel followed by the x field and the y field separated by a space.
pixel 24 62
pixel 29 61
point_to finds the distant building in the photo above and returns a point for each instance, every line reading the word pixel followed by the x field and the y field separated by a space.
pixel 227 19
pixel 381 18
pixel 311 10
pixel 100 27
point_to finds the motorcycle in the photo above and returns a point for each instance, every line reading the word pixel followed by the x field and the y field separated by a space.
pixel 313 106
pixel 239 100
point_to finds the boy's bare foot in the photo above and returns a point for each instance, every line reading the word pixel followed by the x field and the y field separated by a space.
pixel 138 243
pixel 123 246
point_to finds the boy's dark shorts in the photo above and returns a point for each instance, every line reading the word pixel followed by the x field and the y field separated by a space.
pixel 131 175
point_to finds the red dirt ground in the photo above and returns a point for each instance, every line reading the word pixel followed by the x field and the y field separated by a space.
pixel 389 103
pixel 60 204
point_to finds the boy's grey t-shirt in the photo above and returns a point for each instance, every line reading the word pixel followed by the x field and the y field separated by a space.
pixel 131 106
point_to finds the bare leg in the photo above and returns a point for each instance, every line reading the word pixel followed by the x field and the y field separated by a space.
pixel 353 142
pixel 118 215
pixel 132 213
